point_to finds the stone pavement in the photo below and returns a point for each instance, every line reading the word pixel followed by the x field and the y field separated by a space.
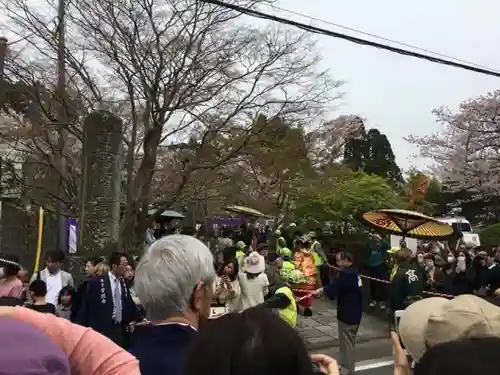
pixel 321 331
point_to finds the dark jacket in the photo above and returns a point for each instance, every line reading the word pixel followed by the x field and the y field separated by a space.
pixel 160 349
pixel 273 275
pixel 377 252
pixel 10 301
pixel 406 287
pixel 493 279
pixel 438 284
pixel 77 299
pixel 457 283
pixel 347 289
pixel 96 306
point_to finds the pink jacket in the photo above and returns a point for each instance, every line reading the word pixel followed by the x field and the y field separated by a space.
pixel 89 352
pixel 11 288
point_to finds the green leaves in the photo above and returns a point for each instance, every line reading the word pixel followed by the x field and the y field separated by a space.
pixel 340 195
pixel 490 236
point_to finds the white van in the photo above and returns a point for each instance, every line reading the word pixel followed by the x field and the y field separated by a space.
pixel 461 224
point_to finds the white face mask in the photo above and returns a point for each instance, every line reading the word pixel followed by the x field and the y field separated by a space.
pixel 451 259
pixel 461 258
pixel 461 265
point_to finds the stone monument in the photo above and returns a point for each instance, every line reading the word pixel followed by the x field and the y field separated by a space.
pixel 100 191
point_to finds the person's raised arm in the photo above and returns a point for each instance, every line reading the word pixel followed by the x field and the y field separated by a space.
pixel 401 365
pixel 278 301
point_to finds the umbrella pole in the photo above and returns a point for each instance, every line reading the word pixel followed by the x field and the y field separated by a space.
pixel 402 241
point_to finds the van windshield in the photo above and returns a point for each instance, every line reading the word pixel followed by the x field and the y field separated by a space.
pixel 462 227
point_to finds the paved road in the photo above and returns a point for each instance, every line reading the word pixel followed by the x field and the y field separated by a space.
pixel 372 358
pixel 321 331
pixel 373 347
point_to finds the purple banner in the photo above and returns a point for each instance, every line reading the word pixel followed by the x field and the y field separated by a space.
pixel 229 222
pixel 72 235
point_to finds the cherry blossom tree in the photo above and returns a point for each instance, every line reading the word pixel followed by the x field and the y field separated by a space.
pixel 466 153
pixel 327 140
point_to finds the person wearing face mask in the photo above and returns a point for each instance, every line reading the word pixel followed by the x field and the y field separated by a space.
pixel 459 278
pixel 461 263
pixel 435 278
pixel 420 258
pixel 419 264
pixel 464 274
pixel 436 248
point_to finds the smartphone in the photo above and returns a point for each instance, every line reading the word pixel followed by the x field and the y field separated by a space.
pixel 397 318
pixel 316 370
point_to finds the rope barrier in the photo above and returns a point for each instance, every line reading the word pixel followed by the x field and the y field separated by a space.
pixel 434 294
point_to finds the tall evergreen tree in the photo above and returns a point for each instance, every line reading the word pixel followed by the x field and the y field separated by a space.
pixel 372 153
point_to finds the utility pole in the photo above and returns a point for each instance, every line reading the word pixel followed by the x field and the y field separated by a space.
pixel 3 92
pixel 61 239
pixel 3 55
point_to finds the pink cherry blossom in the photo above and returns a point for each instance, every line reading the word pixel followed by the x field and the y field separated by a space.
pixel 466 153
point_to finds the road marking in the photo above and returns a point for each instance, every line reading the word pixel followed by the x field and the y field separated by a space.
pixel 374 363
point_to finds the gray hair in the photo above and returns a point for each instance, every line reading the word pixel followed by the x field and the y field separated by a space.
pixel 168 273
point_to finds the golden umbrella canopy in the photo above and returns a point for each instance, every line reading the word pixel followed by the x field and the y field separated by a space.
pixel 408 224
pixel 247 211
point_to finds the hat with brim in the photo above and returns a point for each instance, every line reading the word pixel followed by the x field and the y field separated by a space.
pixel 255 263
pixel 436 320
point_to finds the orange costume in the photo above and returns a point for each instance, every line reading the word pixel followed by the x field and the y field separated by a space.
pixel 304 262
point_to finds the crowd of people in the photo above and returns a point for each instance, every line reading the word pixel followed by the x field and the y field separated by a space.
pixel 188 306
pixel 151 310
pixel 434 268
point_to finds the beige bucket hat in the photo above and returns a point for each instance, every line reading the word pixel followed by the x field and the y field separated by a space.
pixel 437 320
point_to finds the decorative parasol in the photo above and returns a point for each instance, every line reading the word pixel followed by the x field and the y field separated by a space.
pixel 247 211
pixel 408 224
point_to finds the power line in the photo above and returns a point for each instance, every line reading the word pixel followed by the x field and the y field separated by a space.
pixel 352 39
pixel 378 37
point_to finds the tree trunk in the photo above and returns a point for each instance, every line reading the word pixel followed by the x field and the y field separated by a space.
pixel 134 221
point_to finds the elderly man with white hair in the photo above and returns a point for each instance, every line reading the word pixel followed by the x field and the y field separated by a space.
pixel 174 282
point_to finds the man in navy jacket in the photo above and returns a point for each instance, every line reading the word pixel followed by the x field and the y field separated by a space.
pixel 107 306
pixel 347 289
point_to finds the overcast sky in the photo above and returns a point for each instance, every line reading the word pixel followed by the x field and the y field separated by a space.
pixel 394 93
